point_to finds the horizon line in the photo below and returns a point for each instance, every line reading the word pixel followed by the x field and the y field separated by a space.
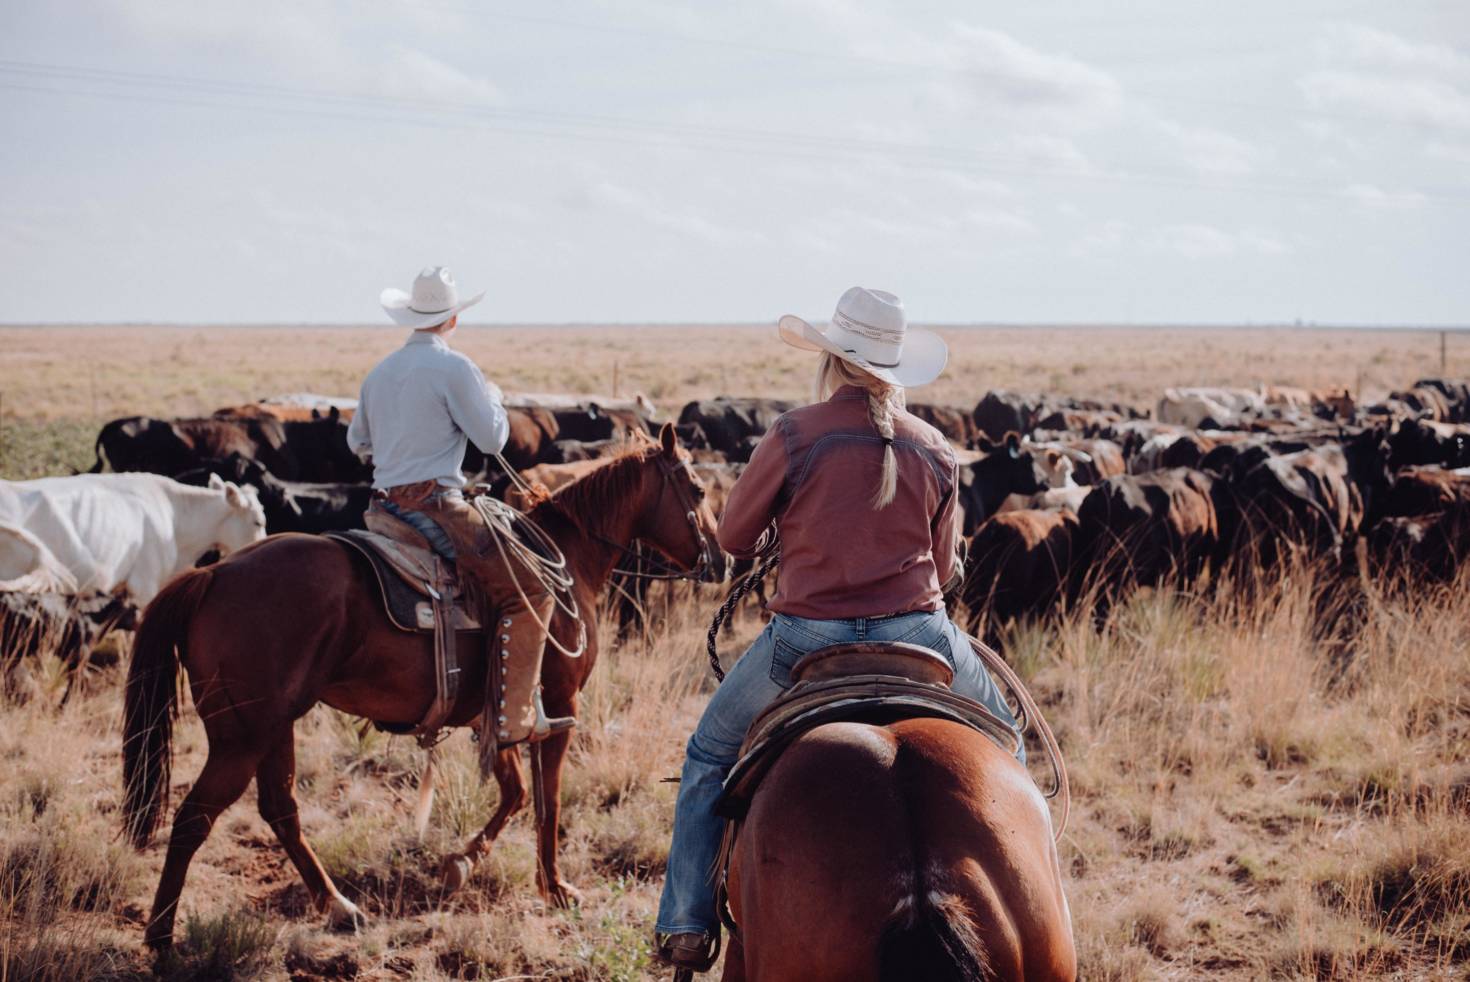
pixel 1293 325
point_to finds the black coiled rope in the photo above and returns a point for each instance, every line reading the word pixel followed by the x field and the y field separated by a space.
pixel 768 555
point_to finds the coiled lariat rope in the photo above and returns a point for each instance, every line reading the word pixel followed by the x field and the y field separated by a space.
pixel 768 554
pixel 517 537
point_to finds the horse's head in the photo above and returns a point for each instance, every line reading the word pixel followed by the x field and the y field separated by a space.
pixel 678 521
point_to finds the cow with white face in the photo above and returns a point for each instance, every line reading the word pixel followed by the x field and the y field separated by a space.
pixel 130 532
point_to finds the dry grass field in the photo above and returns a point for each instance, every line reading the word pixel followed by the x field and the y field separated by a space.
pixel 1248 802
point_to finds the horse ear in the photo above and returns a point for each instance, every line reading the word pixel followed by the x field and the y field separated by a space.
pixel 668 439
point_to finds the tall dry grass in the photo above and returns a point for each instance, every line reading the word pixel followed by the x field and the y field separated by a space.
pixel 1251 800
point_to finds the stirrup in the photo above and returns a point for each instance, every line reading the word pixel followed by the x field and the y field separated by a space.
pixel 547 726
pixel 688 959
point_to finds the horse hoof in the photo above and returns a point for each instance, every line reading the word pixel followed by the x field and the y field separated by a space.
pixel 343 915
pixel 564 896
pixel 457 870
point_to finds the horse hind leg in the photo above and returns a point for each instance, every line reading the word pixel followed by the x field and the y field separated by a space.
pixel 507 769
pixel 275 781
pixel 219 785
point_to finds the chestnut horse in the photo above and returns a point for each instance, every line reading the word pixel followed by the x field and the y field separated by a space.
pixel 295 620
pixel 915 850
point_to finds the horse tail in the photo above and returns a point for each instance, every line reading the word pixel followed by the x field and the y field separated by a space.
pixel 151 702
pixel 930 937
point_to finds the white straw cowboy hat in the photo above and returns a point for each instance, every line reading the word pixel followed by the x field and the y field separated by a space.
pixel 433 301
pixel 869 330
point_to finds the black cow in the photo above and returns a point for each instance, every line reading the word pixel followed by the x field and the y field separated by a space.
pixel 1000 412
pixel 1433 547
pixel 305 450
pixel 1425 490
pixel 1139 529
pixel 290 506
pixel 729 424
pixel 1313 501
pixel 1456 394
pixel 1422 441
pixel 1006 468
pixel 592 423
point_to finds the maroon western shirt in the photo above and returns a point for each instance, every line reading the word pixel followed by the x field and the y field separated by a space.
pixel 815 473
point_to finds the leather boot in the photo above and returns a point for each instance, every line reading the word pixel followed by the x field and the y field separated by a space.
pixel 518 647
pixel 512 616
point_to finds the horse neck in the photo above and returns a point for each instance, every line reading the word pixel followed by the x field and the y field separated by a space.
pixel 596 527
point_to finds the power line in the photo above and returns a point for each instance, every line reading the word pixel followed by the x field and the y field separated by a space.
pixel 361 107
pixel 814 54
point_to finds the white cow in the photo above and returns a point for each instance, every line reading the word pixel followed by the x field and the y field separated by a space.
pixel 27 566
pixel 134 531
pixel 1192 406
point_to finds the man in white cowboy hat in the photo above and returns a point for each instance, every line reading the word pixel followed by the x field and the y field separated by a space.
pixel 863 495
pixel 417 409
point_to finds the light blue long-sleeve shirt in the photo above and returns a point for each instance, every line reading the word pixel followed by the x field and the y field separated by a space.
pixel 416 410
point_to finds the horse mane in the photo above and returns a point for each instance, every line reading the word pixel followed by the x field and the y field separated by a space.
pixel 586 501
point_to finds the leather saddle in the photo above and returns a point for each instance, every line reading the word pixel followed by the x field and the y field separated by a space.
pixel 866 681
pixel 421 594
pixel 411 576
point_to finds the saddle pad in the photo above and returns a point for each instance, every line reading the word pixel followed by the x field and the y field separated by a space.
pixel 408 608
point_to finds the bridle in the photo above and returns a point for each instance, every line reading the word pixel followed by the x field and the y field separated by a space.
pixel 669 479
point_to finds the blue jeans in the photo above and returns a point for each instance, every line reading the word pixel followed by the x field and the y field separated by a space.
pixel 430 528
pixel 762 674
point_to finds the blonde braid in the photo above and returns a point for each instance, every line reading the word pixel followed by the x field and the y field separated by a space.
pixel 883 401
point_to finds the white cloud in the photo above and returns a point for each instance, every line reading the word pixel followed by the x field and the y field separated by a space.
pixel 1000 72
pixel 1371 46
pixel 1377 73
pixel 307 41
pixel 1198 241
pixel 642 206
pixel 1211 151
pixel 1373 196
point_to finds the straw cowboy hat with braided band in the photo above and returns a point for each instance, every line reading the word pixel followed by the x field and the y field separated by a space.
pixel 433 301
pixel 870 331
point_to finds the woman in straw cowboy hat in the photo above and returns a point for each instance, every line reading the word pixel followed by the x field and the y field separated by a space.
pixel 863 496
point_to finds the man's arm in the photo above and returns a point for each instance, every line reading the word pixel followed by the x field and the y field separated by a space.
pixel 359 440
pixel 474 405
pixel 752 501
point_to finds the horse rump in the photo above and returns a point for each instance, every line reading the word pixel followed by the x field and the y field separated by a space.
pixel 151 702
pixel 932 938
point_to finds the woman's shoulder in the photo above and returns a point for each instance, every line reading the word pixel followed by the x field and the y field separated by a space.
pixel 907 426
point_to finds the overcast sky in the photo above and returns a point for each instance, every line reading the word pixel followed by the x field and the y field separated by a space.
pixel 1135 161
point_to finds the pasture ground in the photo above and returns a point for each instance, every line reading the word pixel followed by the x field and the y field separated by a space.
pixel 1248 801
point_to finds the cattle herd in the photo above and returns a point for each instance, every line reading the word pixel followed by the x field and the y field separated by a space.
pixel 1063 502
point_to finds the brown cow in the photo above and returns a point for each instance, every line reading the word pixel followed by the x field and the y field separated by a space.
pixel 957 425
pixel 1019 563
